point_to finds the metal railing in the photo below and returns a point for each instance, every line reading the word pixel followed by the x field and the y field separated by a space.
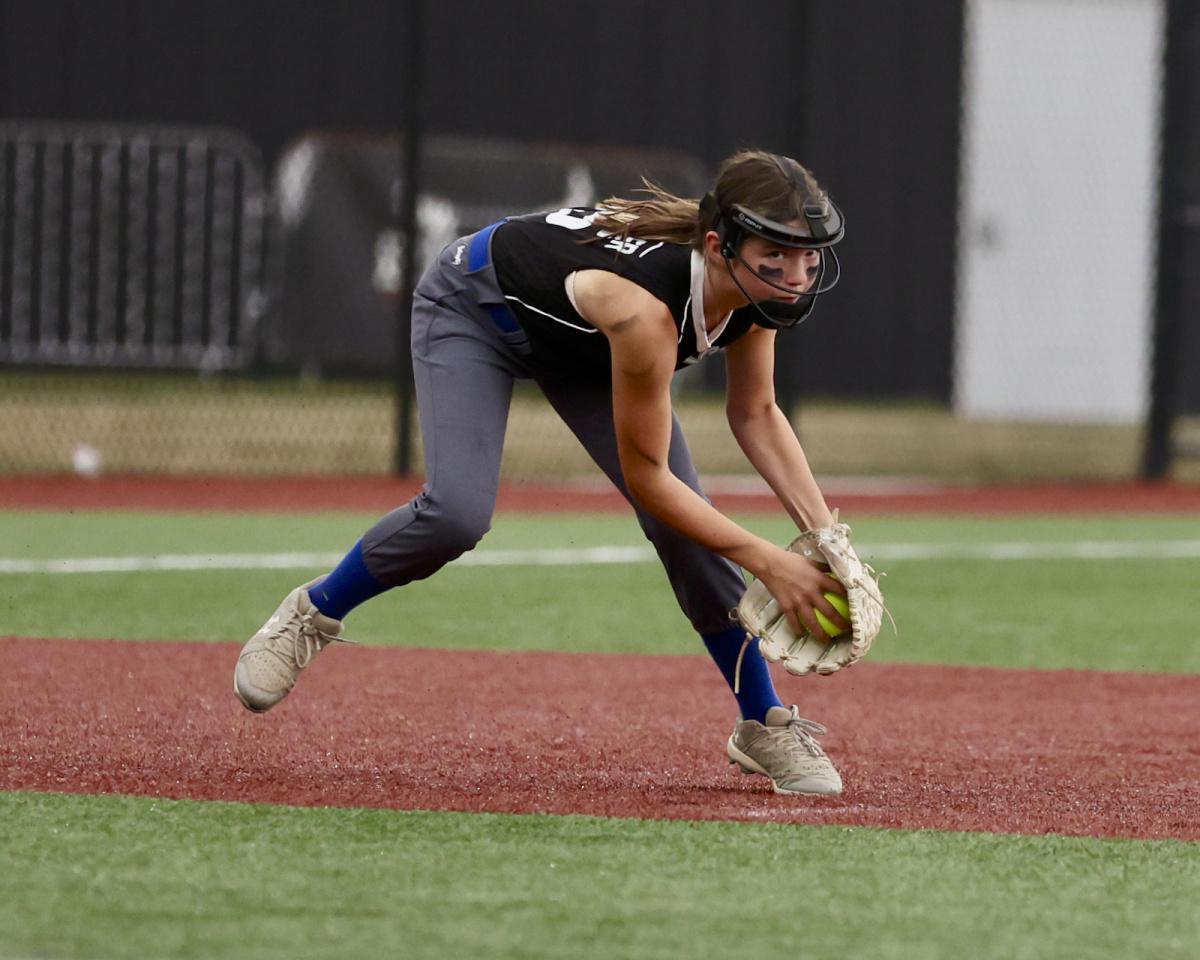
pixel 131 246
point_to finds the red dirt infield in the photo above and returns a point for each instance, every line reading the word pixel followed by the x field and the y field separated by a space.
pixel 380 494
pixel 1013 751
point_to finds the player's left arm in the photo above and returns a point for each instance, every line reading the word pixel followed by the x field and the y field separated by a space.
pixel 764 433
pixel 770 443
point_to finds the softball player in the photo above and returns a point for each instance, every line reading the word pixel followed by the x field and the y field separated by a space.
pixel 600 307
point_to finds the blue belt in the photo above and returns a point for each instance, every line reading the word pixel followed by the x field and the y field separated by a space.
pixel 479 255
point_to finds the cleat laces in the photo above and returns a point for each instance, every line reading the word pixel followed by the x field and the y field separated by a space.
pixel 299 640
pixel 803 733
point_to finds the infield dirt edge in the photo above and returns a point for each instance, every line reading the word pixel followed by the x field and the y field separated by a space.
pixel 949 748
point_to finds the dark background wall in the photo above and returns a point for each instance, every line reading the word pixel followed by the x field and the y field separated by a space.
pixel 1179 229
pixel 866 93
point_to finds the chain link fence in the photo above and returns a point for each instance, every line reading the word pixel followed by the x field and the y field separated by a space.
pixel 161 423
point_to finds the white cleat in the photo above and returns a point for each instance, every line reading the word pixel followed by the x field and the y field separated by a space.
pixel 272 659
pixel 784 749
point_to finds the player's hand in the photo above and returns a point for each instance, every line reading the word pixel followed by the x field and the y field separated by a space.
pixel 828 554
pixel 799 586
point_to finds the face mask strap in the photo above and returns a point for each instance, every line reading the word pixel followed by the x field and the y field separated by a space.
pixel 783 316
pixel 774 316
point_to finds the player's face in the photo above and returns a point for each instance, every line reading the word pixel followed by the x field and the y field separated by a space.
pixel 773 267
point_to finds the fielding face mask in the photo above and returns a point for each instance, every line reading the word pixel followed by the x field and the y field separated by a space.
pixel 823 227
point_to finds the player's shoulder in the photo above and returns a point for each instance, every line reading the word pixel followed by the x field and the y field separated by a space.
pixel 615 295
pixel 567 241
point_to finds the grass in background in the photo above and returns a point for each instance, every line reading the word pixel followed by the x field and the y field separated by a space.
pixel 1104 614
pixel 116 877
pixel 180 423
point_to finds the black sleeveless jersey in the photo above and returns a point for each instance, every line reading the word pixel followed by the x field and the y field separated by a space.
pixel 533 255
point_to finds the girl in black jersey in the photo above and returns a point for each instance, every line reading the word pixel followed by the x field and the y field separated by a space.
pixel 600 307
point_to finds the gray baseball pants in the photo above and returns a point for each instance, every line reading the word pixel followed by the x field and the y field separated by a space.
pixel 464 367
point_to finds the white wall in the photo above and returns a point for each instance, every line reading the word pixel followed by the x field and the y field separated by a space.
pixel 1058 209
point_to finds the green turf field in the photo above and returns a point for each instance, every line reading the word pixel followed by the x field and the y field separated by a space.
pixel 101 877
pixel 1113 614
pixel 132 877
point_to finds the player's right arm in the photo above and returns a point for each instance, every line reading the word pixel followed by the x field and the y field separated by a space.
pixel 642 338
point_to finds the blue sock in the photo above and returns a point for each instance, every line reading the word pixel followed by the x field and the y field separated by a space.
pixel 350 584
pixel 756 693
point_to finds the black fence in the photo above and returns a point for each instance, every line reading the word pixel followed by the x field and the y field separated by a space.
pixel 132 246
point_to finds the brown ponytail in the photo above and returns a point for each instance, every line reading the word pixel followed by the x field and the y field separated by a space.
pixel 763 182
pixel 659 216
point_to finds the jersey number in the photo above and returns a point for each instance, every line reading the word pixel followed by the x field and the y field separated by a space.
pixel 570 218
pixel 578 218
pixel 624 246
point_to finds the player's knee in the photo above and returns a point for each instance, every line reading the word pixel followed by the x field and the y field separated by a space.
pixel 460 532
pixel 456 522
pixel 459 522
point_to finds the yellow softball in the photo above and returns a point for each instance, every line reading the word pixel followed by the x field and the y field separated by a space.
pixel 841 606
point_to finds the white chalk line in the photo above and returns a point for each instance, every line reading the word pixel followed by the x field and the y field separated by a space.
pixel 586 556
pixel 298 561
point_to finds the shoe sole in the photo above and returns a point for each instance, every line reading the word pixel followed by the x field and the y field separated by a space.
pixel 749 766
pixel 244 702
